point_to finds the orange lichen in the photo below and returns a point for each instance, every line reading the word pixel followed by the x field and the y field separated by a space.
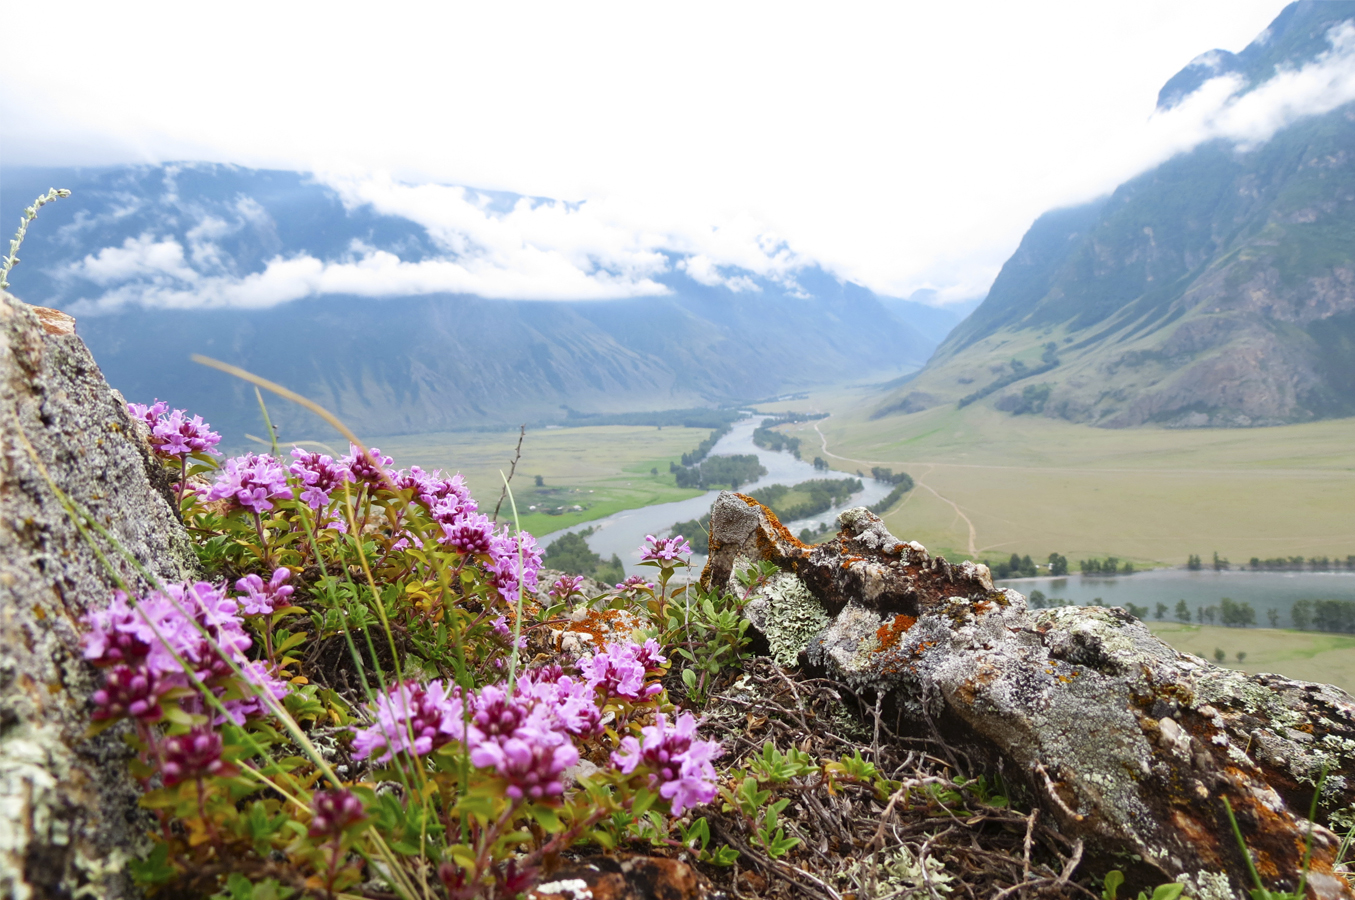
pixel 603 625
pixel 889 633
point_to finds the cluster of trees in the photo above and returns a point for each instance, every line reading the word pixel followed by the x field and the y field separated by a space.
pixel 703 448
pixel 821 464
pixel 1195 564
pixel 1227 612
pixel 719 470
pixel 764 437
pixel 1298 563
pixel 571 553
pixel 1324 615
pixel 1017 566
pixel 1038 600
pixel 808 498
pixel 889 477
pixel 1108 566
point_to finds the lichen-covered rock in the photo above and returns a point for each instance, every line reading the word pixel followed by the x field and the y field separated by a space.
pixel 68 813
pixel 1130 745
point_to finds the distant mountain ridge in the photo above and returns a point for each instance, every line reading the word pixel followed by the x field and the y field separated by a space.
pixel 1215 289
pixel 429 361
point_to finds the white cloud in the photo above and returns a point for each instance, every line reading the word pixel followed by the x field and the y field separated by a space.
pixel 143 257
pixel 898 145
pixel 1220 108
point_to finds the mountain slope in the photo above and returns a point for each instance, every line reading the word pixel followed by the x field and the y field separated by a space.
pixel 158 262
pixel 1218 288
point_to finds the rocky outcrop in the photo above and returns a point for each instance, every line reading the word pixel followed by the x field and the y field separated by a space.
pixel 1131 746
pixel 70 819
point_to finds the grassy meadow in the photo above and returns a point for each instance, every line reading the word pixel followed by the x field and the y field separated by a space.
pixel 1305 655
pixel 989 483
pixel 602 469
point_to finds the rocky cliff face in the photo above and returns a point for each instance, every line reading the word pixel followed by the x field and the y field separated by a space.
pixel 67 450
pixel 1136 751
pixel 1216 289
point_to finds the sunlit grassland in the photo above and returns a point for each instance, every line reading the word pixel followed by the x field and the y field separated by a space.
pixel 604 469
pixel 1305 655
pixel 1028 484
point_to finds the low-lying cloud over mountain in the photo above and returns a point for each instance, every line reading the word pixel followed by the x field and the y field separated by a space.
pixel 412 308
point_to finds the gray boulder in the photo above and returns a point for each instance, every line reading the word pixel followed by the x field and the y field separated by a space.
pixel 68 807
pixel 1131 746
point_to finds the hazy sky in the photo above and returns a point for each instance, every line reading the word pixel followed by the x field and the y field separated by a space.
pixel 901 145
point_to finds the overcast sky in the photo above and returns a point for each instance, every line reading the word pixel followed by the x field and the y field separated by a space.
pixel 902 145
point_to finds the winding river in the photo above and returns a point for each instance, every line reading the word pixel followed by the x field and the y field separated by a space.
pixel 624 533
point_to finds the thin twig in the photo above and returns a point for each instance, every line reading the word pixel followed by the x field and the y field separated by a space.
pixel 517 455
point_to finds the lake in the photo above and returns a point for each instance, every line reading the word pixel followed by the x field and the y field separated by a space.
pixel 1263 590
pixel 624 533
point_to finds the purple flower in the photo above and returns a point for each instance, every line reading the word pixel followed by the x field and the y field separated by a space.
pixel 572 702
pixel 148 414
pixel 514 562
pixel 634 584
pixel 360 466
pixel 262 598
pixel 194 625
pixel 566 586
pixel 667 552
pixel 412 718
pixel 173 433
pixel 521 740
pixel 505 633
pixel 252 482
pixel 334 812
pixel 678 764
pixel 650 656
pixel 470 536
pixel 192 755
pixel 618 672
pixel 114 635
pixel 131 692
pixel 319 475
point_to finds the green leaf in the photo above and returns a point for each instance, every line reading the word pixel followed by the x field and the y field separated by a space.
pixel 644 799
pixel 546 818
pixel 1114 878
pixel 1168 891
pixel 155 868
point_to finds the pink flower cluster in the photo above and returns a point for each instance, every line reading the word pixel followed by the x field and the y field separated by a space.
pixel 319 476
pixel 620 669
pixel 173 433
pixel 261 597
pixel 678 764
pixel 141 646
pixel 252 482
pixel 667 552
pixel 525 736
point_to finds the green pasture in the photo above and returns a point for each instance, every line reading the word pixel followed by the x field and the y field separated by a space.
pixel 1305 655
pixel 601 469
pixel 990 483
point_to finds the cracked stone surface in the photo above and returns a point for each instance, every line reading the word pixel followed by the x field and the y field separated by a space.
pixel 1127 743
pixel 68 814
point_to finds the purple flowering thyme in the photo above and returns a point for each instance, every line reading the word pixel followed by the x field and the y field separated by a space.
pixel 261 597
pixel 252 482
pixel 677 763
pixel 319 476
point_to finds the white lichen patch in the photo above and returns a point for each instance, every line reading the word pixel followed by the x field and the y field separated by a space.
pixel 788 615
pixel 899 874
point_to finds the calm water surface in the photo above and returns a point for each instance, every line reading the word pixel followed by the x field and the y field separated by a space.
pixel 1263 590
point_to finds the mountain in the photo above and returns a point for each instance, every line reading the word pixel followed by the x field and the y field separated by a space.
pixel 1216 289
pixel 344 300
